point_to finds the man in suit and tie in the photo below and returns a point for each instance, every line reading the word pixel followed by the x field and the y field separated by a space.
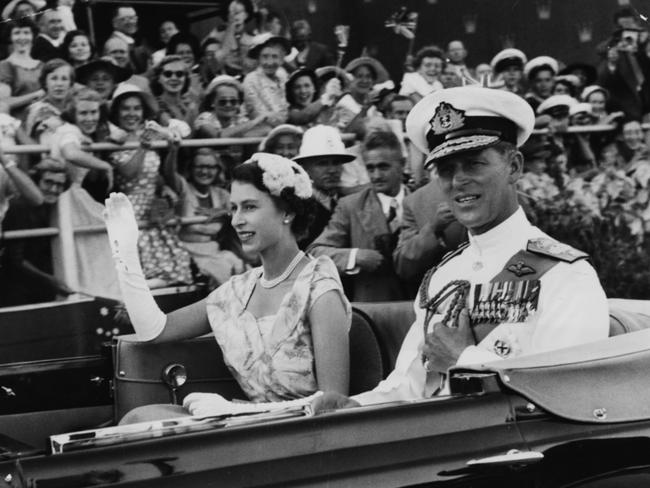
pixel 308 54
pixel 47 44
pixel 429 231
pixel 125 27
pixel 363 231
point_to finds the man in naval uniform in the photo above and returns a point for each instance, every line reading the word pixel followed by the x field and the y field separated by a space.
pixel 511 290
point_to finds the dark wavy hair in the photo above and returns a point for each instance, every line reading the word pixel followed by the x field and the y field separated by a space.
pixel 18 24
pixel 52 65
pixel 183 38
pixel 299 73
pixel 303 208
pixel 67 40
pixel 429 52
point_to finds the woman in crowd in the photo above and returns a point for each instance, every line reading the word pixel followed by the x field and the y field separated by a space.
pixel 77 48
pixel 353 109
pixel 282 327
pixel 86 122
pixel 566 85
pixel 44 116
pixel 598 98
pixel 170 83
pixel 101 75
pixel 187 47
pixel 264 88
pixel 234 41
pixel 428 63
pixel 306 106
pixel 632 146
pixel 283 140
pixel 222 113
pixel 20 72
pixel 202 194
pixel 164 260
pixel 166 30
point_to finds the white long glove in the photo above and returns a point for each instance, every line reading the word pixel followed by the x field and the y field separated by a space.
pixel 331 92
pixel 213 404
pixel 147 319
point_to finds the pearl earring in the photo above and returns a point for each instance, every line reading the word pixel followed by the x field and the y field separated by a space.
pixel 286 221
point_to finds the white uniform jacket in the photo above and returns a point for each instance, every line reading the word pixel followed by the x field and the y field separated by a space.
pixel 572 309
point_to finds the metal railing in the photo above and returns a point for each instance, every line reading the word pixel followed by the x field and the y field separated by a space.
pixel 65 231
pixel 64 257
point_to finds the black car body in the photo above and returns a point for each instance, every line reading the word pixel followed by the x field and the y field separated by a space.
pixel 574 417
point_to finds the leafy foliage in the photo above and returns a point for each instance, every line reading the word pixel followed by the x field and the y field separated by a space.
pixel 607 217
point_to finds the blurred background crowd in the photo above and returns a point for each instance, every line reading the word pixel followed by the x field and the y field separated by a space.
pixel 187 106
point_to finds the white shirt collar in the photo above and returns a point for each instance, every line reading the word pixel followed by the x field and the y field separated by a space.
pixel 53 41
pixel 511 233
pixel 385 201
pixel 124 37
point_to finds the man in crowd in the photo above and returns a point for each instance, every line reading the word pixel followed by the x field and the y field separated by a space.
pixel 429 231
pixel 47 43
pixel 322 155
pixel 307 53
pixel 540 72
pixel 512 290
pixel 362 233
pixel 457 55
pixel 125 27
pixel 508 65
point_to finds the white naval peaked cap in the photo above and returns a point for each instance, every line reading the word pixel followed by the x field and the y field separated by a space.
pixel 555 101
pixel 466 118
pixel 323 141
pixel 539 62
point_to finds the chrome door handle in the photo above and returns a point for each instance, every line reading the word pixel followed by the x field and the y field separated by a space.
pixel 514 456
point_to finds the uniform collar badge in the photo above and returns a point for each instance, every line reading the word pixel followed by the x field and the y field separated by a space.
pixel 447 118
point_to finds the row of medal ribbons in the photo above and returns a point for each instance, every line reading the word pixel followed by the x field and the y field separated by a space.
pixel 505 301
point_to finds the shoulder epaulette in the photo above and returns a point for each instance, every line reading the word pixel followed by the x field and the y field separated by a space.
pixel 555 249
pixel 424 286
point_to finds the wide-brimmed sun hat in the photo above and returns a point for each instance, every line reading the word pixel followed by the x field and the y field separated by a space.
pixel 125 89
pixel 376 66
pixel 107 64
pixel 260 41
pixel 323 141
pixel 278 131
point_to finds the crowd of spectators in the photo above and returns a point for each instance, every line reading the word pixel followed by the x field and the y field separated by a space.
pixel 379 213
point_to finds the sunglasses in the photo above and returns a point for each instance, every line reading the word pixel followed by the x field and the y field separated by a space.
pixel 177 74
pixel 222 102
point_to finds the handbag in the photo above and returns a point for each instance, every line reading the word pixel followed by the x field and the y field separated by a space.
pixel 140 367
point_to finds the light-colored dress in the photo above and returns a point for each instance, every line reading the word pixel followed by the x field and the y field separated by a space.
pixel 95 270
pixel 161 254
pixel 272 357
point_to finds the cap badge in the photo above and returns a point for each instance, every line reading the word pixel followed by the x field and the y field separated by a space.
pixel 447 118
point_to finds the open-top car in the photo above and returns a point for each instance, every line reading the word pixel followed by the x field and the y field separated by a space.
pixel 574 417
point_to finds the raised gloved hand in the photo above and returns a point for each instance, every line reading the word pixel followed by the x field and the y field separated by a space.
pixel 331 93
pixel 121 225
pixel 147 318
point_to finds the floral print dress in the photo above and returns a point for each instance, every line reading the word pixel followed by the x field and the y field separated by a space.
pixel 272 357
pixel 161 254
